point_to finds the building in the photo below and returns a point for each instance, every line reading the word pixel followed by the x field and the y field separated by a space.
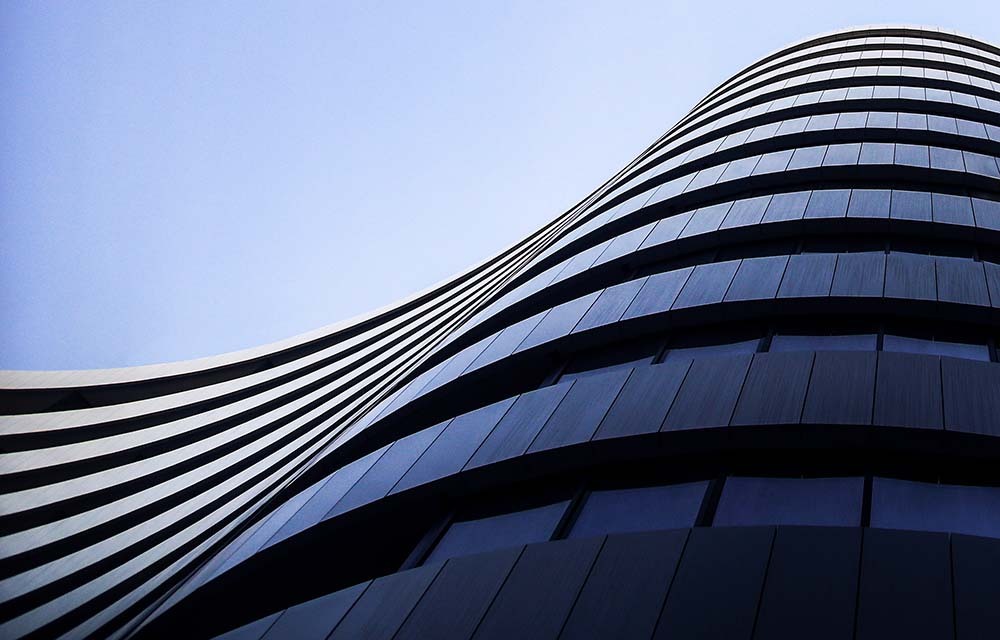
pixel 748 388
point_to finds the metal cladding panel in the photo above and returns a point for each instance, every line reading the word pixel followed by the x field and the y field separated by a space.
pixel 841 193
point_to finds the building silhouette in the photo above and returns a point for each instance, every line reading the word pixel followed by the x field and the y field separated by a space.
pixel 748 388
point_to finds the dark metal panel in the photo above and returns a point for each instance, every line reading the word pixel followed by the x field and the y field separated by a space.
pixel 541 590
pixel 707 284
pixel 718 584
pixel 757 278
pixel 812 583
pixel 559 321
pixel 971 395
pixel 841 388
pixel 658 294
pixel 455 446
pixel 316 618
pixel 775 389
pixel 610 305
pixel 905 587
pixel 809 274
pixel 385 473
pixel 644 401
pixel 709 393
pixel 753 501
pixel 977 590
pixel 859 274
pixel 581 411
pixel 908 391
pixel 383 607
pixel 519 426
pixel 911 276
pixel 623 596
pixel 962 281
pixel 457 600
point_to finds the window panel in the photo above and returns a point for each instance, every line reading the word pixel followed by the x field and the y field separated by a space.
pixel 842 154
pixel 910 205
pixel 952 209
pixel 830 203
pixel 907 344
pixel 639 509
pixel 708 350
pixel 877 153
pixel 869 203
pixel 912 155
pixel 496 532
pixel 842 342
pixel 790 501
pixel 922 506
pixel 787 206
pixel 948 159
pixel 916 121
pixel 807 157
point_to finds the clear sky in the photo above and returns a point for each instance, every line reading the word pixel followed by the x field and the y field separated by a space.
pixel 185 178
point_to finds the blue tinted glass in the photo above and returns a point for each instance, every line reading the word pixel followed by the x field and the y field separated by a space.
pixel 807 157
pixel 687 353
pixel 813 501
pixel 949 159
pixel 900 504
pixel 852 120
pixel 850 342
pixel 496 532
pixel 877 153
pixel 983 165
pixel 943 124
pixel 912 155
pixel 642 509
pixel 830 203
pixel 882 119
pixel 906 344
pixel 787 206
pixel 825 121
pixel 842 154
pixel 912 121
pixel 910 205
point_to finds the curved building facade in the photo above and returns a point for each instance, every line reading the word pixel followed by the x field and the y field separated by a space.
pixel 748 388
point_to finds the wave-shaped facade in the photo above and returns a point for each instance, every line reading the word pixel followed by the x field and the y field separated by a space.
pixel 749 387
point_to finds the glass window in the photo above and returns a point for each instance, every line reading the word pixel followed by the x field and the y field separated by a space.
pixel 907 344
pixel 792 501
pixel 499 531
pixel 773 162
pixel 831 203
pixel 913 121
pixel 910 205
pixel 942 124
pixel 687 353
pixel 882 119
pixel 622 356
pixel 952 209
pixel 852 120
pixel 842 154
pixel 949 159
pixel 842 342
pixel 912 155
pixel 807 157
pixel 825 121
pixel 983 165
pixel 877 153
pixel 641 509
pixel 922 506
pixel 787 206
pixel 869 203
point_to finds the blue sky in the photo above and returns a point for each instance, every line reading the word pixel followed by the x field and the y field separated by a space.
pixel 181 179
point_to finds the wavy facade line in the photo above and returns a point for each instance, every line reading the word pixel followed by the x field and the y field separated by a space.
pixel 783 312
